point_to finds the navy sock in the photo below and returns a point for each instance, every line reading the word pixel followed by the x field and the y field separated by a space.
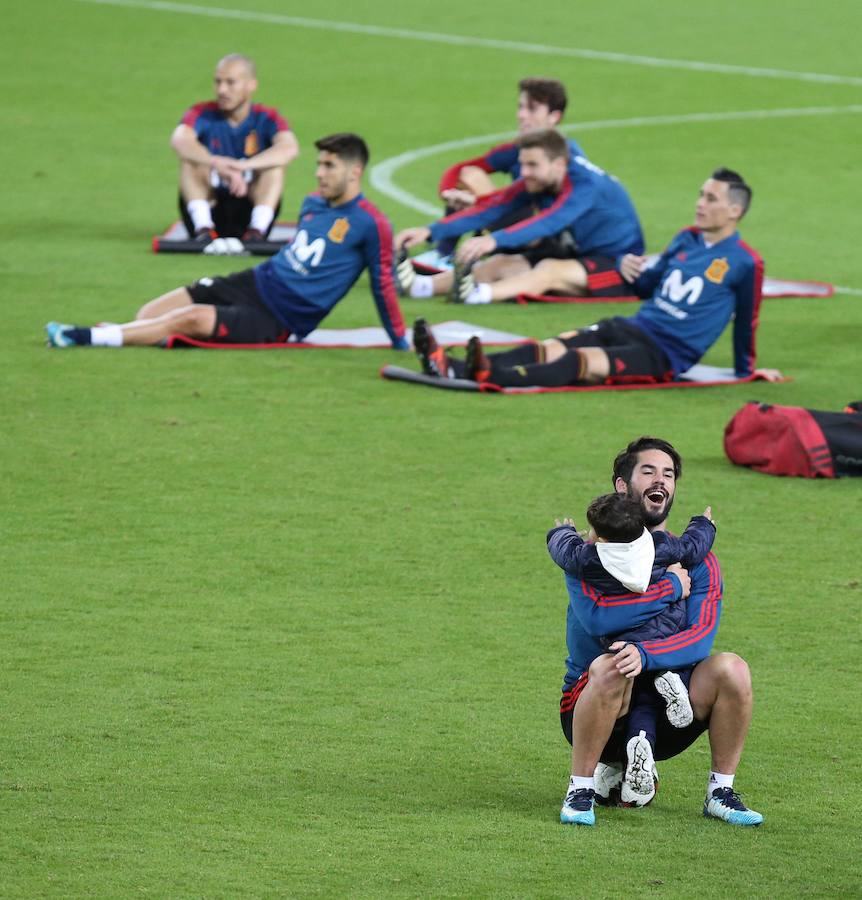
pixel 81 336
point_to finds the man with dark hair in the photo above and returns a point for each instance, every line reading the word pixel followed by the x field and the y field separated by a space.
pixel 339 235
pixel 707 276
pixel 561 206
pixel 541 105
pixel 598 684
pixel 233 154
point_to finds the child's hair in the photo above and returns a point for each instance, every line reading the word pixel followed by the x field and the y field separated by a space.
pixel 616 518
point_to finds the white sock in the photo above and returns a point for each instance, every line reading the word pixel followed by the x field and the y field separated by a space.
pixel 200 213
pixel 481 293
pixel 261 217
pixel 423 286
pixel 576 782
pixel 106 336
pixel 717 780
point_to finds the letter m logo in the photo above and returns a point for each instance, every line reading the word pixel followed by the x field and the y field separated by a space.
pixel 308 253
pixel 674 288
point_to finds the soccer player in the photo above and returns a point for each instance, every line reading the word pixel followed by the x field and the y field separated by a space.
pixel 233 154
pixel 541 104
pixel 598 684
pixel 707 276
pixel 562 207
pixel 623 557
pixel 340 234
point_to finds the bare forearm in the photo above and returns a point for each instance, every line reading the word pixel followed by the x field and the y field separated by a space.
pixel 277 156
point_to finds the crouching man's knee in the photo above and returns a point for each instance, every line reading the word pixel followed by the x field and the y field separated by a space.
pixel 605 679
pixel 732 674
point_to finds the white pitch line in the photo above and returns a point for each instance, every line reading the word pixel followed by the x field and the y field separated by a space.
pixel 382 174
pixel 434 37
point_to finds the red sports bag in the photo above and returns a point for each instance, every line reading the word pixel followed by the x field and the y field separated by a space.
pixel 789 440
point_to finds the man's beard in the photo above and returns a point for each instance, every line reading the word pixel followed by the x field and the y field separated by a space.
pixel 652 517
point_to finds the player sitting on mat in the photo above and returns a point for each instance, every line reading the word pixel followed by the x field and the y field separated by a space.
pixel 707 276
pixel 340 234
pixel 623 557
pixel 541 104
pixel 561 206
pixel 233 154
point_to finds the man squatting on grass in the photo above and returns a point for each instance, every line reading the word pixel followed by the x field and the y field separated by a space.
pixel 597 688
pixel 560 207
pixel 339 234
pixel 707 276
pixel 622 557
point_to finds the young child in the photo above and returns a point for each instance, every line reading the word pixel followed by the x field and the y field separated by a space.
pixel 621 556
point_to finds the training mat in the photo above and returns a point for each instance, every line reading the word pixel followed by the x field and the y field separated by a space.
pixel 176 240
pixel 696 376
pixel 452 334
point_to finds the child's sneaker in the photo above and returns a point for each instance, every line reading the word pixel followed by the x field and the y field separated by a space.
pixel 609 779
pixel 674 693
pixel 640 781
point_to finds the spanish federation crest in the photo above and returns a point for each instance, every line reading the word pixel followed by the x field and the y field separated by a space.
pixel 718 268
pixel 252 145
pixel 339 230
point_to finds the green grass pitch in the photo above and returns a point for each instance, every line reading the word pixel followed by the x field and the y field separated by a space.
pixel 274 627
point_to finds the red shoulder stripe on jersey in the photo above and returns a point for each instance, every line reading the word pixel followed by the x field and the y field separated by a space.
pixel 498 198
pixel 758 296
pixel 449 179
pixel 281 124
pixel 707 619
pixel 193 113
pixel 654 592
pixel 387 282
pixel 564 195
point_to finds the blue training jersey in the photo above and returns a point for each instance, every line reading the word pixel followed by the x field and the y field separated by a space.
pixel 247 139
pixel 694 291
pixel 332 246
pixel 591 614
pixel 502 158
pixel 591 205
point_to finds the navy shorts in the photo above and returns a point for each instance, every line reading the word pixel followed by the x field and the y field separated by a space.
pixel 669 741
pixel 241 315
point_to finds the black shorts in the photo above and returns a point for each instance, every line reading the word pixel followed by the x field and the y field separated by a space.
pixel 241 316
pixel 231 215
pixel 669 741
pixel 603 278
pixel 634 356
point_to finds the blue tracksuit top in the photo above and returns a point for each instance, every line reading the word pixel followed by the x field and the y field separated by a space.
pixel 591 614
pixel 332 247
pixel 590 204
pixel 500 158
pixel 248 138
pixel 580 559
pixel 694 291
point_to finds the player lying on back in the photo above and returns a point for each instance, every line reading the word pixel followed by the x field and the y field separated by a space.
pixel 622 556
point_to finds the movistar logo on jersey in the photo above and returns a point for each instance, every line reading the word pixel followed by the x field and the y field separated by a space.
pixel 303 255
pixel 674 288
